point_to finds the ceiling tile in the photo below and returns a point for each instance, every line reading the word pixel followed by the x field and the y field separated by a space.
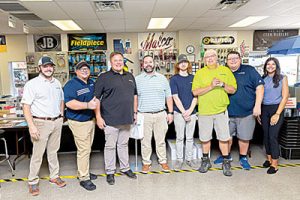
pixel 196 8
pixel 144 9
pixel 168 8
pixel 46 10
pixel 79 10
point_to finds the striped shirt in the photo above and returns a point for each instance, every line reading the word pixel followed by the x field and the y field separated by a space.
pixel 152 92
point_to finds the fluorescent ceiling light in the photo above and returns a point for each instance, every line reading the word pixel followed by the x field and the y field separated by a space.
pixel 248 21
pixel 35 0
pixel 66 25
pixel 159 23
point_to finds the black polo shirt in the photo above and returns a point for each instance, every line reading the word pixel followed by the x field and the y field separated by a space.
pixel 116 93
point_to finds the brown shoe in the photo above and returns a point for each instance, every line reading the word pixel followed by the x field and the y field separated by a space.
pixel 146 169
pixel 34 190
pixel 60 183
pixel 165 167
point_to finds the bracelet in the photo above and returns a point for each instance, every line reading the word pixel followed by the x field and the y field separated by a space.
pixel 171 113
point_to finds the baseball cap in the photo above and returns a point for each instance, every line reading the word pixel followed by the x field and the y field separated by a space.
pixel 46 60
pixel 82 64
pixel 182 58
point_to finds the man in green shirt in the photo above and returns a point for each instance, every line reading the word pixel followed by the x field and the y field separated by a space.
pixel 212 84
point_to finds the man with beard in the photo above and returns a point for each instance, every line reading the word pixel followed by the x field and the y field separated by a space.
pixel 43 107
pixel 116 111
pixel 81 103
pixel 153 92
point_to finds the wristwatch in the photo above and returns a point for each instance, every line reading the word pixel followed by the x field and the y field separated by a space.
pixel 223 85
pixel 171 113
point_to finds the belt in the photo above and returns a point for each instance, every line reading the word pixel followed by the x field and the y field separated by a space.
pixel 48 118
pixel 154 112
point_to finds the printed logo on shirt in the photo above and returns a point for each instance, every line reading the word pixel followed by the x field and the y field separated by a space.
pixel 242 73
pixel 130 80
pixel 83 91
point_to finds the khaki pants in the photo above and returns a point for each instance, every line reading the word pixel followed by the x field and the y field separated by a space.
pixel 50 133
pixel 157 124
pixel 83 135
pixel 116 137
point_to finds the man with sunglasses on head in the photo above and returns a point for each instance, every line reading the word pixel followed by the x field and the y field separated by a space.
pixel 245 106
pixel 81 103
pixel 43 107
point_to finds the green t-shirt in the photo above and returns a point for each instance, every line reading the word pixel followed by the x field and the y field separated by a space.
pixel 216 100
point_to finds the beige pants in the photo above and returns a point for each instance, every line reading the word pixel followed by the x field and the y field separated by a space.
pixel 50 133
pixel 116 138
pixel 83 135
pixel 154 124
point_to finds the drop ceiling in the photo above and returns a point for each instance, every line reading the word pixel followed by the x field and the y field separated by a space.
pixel 135 15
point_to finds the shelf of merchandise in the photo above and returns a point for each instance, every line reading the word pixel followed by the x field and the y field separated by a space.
pixel 164 60
pixel 96 59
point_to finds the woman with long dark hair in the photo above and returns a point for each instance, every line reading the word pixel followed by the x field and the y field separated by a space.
pixel 275 97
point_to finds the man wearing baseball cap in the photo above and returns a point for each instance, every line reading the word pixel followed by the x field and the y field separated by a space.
pixel 81 103
pixel 43 107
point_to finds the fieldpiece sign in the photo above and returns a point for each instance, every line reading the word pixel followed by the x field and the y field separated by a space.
pixel 263 39
pixel 156 41
pixel 84 42
pixel 47 42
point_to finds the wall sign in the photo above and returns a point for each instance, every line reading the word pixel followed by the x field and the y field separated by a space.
pixel 84 42
pixel 215 39
pixel 3 47
pixel 157 40
pixel 47 42
pixel 263 39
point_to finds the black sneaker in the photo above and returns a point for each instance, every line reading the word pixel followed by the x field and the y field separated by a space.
pixel 88 185
pixel 110 179
pixel 272 170
pixel 226 167
pixel 130 174
pixel 205 165
pixel 93 176
pixel 267 164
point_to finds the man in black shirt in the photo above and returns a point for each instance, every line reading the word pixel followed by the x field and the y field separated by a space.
pixel 116 91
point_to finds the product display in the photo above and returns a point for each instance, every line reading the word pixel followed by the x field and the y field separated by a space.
pixel 96 60
pixel 164 60
pixel 59 58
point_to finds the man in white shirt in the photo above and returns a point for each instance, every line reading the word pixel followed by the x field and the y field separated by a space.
pixel 43 107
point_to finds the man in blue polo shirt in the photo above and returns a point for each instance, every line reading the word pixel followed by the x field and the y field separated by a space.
pixel 80 103
pixel 245 105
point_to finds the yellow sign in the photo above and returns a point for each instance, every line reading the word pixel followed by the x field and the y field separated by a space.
pixel 3 47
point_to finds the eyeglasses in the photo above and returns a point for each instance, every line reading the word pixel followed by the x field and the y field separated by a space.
pixel 84 69
pixel 232 59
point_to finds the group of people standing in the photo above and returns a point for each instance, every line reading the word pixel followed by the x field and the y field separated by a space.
pixel 229 99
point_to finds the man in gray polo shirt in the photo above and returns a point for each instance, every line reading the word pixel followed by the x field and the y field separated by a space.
pixel 43 107
pixel 153 93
